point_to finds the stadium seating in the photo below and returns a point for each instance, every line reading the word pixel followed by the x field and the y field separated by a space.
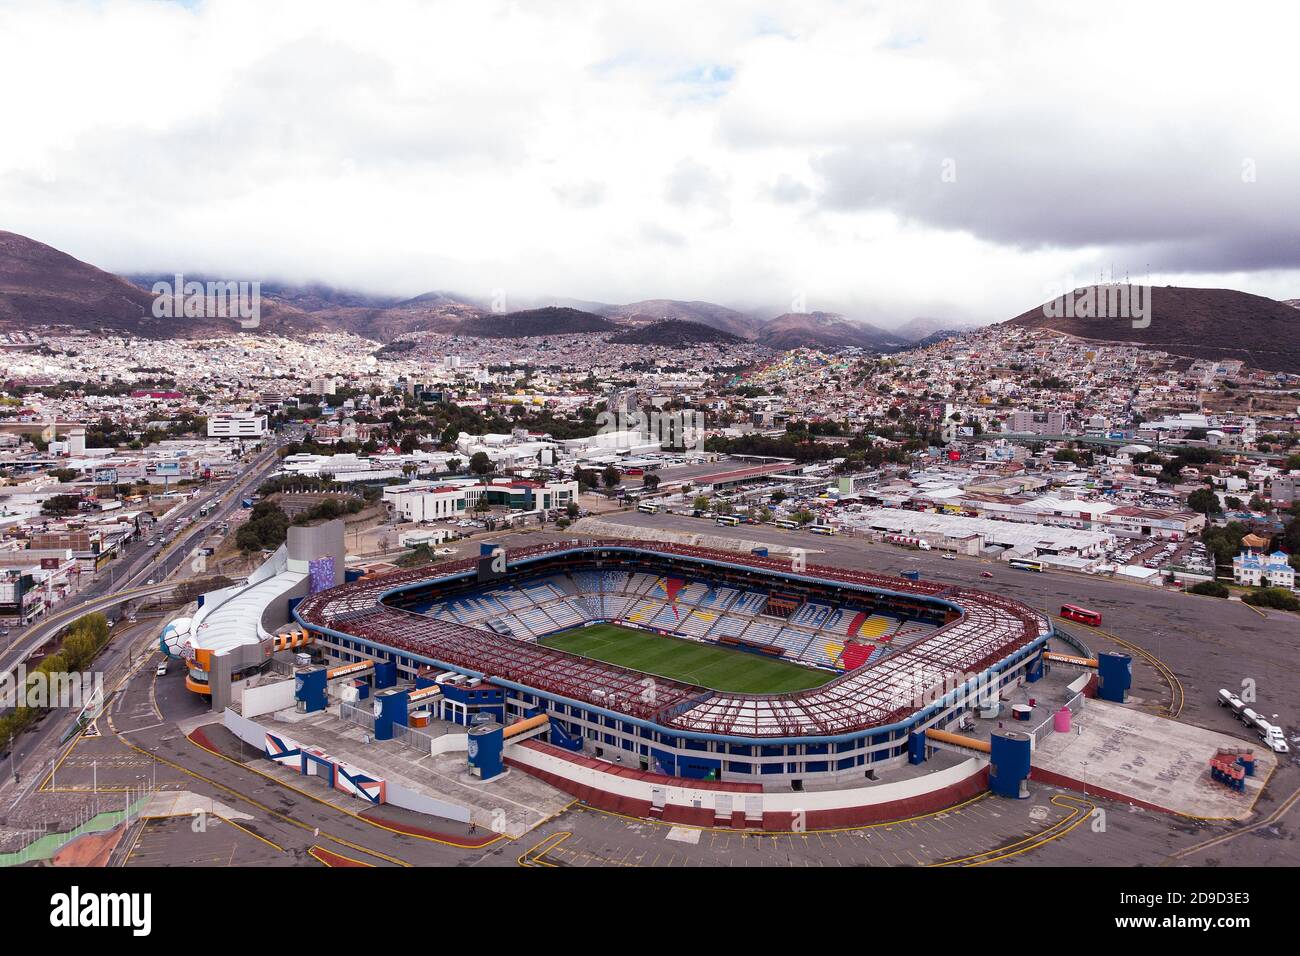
pixel 811 615
pixel 587 582
pixel 761 632
pixel 749 602
pixel 814 634
pixel 697 624
pixel 566 614
pixel 640 583
pixel 728 626
pixel 717 599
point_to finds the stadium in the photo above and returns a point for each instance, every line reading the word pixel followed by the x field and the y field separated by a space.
pixel 678 661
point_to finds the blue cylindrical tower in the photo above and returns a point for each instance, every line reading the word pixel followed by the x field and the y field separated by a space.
pixel 1009 763
pixel 486 742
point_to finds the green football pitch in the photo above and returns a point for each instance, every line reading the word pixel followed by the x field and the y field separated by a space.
pixel 709 665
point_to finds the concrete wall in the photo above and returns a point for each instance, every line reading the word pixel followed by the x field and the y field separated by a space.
pixel 671 799
pixel 312 542
pixel 254 733
pixel 267 698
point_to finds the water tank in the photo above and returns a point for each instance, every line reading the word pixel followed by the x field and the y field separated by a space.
pixel 1061 721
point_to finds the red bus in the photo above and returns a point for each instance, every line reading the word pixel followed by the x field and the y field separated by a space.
pixel 1081 614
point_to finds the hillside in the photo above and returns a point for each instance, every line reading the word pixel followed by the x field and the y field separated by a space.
pixel 703 313
pixel 921 329
pixel 936 337
pixel 1196 323
pixel 40 286
pixel 674 333
pixel 43 288
pixel 534 322
pixel 826 330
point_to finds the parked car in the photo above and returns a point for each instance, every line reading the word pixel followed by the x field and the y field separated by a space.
pixel 162 670
pixel 986 574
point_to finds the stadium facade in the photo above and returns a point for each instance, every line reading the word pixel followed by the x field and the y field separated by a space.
pixel 910 655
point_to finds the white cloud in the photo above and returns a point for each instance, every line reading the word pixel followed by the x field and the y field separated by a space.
pixel 618 151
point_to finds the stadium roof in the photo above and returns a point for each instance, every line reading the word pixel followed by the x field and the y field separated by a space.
pixel 989 629
pixel 234 618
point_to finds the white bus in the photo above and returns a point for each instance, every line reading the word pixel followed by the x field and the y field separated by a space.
pixel 1025 564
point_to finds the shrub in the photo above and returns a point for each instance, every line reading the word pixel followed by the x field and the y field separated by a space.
pixel 1280 598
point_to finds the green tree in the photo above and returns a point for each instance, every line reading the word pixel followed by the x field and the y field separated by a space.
pixel 1205 501
pixel 1212 588
pixel 481 465
pixel 1280 598
pixel 60 506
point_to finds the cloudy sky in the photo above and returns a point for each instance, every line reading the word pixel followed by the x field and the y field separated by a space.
pixel 961 160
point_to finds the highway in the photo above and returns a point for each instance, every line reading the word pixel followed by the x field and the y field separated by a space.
pixel 142 571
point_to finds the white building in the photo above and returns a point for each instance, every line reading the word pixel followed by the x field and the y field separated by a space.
pixel 1252 569
pixel 236 425
pixel 457 497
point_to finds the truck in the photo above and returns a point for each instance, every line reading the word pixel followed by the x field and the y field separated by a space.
pixel 908 541
pixel 1228 699
pixel 1270 734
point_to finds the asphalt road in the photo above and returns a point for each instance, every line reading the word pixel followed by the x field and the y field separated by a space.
pixel 139 565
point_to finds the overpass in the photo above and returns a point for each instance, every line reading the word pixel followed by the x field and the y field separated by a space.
pixel 26 644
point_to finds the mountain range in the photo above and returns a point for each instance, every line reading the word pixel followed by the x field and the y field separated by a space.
pixel 42 288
